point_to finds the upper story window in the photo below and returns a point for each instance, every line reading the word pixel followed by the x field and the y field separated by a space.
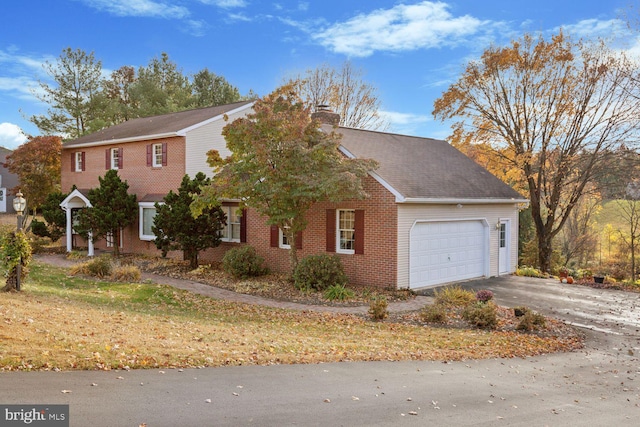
pixel 114 158
pixel 78 164
pixel 157 155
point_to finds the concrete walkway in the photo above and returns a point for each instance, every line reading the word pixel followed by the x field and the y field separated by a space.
pixel 223 294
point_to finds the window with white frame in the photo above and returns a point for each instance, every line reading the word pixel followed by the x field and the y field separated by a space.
pixel 115 158
pixel 284 242
pixel 346 231
pixel 79 157
pixel 231 231
pixel 147 215
pixel 157 155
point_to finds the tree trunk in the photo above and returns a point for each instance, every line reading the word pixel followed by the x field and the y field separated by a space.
pixel 545 251
pixel 193 258
pixel 633 259
pixel 12 280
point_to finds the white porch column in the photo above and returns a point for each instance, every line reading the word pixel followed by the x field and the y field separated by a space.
pixel 90 242
pixel 69 230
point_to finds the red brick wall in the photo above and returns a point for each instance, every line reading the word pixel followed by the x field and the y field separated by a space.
pixel 376 267
pixel 142 179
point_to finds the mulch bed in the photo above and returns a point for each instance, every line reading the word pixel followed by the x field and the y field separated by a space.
pixel 272 286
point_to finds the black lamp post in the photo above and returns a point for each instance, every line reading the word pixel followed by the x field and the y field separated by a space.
pixel 19 205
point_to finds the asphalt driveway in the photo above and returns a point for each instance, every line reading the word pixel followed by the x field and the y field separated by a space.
pixel 596 386
pixel 616 314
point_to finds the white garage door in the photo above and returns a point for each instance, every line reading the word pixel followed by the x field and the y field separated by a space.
pixel 446 251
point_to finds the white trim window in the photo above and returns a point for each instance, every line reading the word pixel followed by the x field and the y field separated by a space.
pixel 231 231
pixel 147 215
pixel 346 231
pixel 79 157
pixel 115 158
pixel 157 155
pixel 283 241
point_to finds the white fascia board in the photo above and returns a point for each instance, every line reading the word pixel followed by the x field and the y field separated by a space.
pixel 455 201
pixel 183 132
pixel 123 140
pixel 399 197
pixel 75 193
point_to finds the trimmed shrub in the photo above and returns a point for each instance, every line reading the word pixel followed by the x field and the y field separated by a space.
pixel 531 321
pixel 319 272
pixel 481 315
pixel 338 292
pixel 530 272
pixel 434 313
pixel 378 308
pixel 126 273
pixel 484 295
pixel 243 262
pixel 100 267
pixel 454 296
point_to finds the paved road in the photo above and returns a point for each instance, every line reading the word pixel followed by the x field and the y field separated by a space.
pixel 597 386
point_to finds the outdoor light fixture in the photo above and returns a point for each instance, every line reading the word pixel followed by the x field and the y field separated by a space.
pixel 19 205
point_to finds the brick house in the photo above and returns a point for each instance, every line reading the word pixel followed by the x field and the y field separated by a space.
pixel 433 216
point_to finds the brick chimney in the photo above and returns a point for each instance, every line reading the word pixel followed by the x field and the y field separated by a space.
pixel 325 115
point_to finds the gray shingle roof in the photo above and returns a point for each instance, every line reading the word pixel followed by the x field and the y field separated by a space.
pixel 424 168
pixel 156 125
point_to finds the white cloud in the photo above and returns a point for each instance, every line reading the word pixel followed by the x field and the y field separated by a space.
pixel 225 4
pixel 20 87
pixel 403 27
pixel 591 28
pixel 405 123
pixel 148 8
pixel 11 135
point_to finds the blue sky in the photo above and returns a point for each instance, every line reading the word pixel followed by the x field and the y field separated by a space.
pixel 410 50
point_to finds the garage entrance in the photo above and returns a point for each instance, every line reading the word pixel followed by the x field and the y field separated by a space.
pixel 447 251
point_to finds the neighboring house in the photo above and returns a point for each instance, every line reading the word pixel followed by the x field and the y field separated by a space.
pixel 7 182
pixel 433 216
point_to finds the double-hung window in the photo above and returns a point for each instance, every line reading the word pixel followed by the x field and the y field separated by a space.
pixel 113 158
pixel 284 242
pixel 231 231
pixel 157 155
pixel 346 231
pixel 78 161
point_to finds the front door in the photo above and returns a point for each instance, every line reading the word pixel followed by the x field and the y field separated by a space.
pixel 503 251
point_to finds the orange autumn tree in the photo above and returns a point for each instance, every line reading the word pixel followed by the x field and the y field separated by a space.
pixel 37 165
pixel 554 108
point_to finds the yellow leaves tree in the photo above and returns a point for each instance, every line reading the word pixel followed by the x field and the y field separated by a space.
pixel 550 109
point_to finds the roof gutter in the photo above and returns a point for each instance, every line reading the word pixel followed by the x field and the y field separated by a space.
pixel 462 201
pixel 124 140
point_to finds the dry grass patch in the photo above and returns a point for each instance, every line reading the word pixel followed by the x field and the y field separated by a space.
pixel 62 322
